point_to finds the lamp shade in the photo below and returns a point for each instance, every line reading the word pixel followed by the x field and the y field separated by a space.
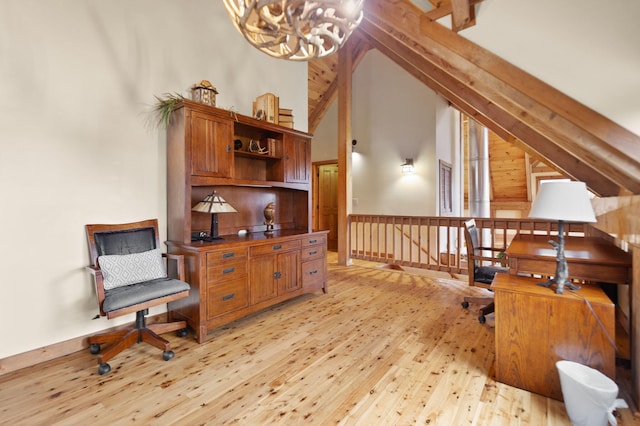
pixel 563 200
pixel 213 203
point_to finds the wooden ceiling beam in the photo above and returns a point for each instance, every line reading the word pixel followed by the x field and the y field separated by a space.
pixel 463 12
pixel 590 137
pixel 574 138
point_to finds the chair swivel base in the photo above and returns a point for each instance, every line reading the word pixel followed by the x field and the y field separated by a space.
pixel 123 339
pixel 485 310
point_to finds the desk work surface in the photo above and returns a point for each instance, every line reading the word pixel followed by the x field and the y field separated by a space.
pixel 589 258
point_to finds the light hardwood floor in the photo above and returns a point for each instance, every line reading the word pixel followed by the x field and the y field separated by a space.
pixel 381 348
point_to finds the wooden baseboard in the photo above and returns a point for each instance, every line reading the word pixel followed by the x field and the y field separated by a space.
pixel 57 350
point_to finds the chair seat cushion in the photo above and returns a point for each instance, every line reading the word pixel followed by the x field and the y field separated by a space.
pixel 121 297
pixel 485 274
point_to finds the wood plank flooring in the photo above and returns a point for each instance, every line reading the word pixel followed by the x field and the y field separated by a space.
pixel 383 347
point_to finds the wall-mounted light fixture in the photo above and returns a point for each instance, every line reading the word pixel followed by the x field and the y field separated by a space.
pixel 407 167
pixel 353 145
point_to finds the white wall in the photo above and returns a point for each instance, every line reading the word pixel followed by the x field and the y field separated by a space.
pixel 394 118
pixel 77 81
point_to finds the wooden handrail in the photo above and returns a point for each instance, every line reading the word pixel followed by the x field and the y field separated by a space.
pixel 437 243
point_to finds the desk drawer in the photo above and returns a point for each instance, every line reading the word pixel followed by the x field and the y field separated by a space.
pixel 313 272
pixel 227 296
pixel 314 239
pixel 226 271
pixel 275 247
pixel 313 252
pixel 229 254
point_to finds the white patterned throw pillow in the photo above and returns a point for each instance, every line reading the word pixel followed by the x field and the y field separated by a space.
pixel 125 269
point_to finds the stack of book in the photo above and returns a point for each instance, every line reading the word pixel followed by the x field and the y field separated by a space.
pixel 285 117
pixel 266 108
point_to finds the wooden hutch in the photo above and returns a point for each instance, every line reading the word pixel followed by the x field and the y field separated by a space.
pixel 249 271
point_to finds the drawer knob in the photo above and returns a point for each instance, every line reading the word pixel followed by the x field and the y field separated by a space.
pixel 277 275
pixel 228 270
pixel 277 247
pixel 312 252
pixel 228 296
pixel 315 271
pixel 313 241
pixel 227 255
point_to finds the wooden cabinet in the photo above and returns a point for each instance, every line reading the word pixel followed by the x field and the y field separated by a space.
pixel 202 157
pixel 314 262
pixel 535 328
pixel 297 159
pixel 211 151
pixel 208 149
pixel 227 281
pixel 274 269
pixel 245 274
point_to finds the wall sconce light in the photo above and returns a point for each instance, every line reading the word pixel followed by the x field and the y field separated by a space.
pixel 353 145
pixel 407 167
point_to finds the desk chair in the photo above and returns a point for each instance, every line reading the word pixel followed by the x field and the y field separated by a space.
pixel 481 274
pixel 130 276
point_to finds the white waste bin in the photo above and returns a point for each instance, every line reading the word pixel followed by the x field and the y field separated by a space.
pixel 589 396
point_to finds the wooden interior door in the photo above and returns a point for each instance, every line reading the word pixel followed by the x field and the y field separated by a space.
pixel 328 203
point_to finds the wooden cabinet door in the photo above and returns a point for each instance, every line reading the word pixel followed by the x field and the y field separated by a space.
pixel 211 152
pixel 297 157
pixel 287 276
pixel 263 284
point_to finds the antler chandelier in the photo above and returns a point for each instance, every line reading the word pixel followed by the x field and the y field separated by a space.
pixel 296 29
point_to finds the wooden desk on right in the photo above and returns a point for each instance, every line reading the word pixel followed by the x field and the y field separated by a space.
pixel 589 258
pixel 535 327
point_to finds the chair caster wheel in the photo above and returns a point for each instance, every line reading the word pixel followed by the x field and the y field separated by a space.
pixel 104 368
pixel 183 332
pixel 482 319
pixel 167 355
pixel 465 304
pixel 94 348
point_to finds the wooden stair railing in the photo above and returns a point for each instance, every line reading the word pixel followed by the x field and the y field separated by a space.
pixel 436 243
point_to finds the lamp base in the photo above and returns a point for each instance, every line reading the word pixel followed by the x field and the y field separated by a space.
pixel 559 285
pixel 561 278
pixel 210 239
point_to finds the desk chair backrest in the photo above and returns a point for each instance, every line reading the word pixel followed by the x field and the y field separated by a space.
pixel 481 268
pixel 129 238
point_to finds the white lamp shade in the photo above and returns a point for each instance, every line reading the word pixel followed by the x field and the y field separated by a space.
pixel 563 200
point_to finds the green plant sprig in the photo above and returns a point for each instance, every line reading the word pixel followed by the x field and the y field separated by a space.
pixel 165 106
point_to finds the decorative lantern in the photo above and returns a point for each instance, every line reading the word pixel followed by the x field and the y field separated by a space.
pixel 204 92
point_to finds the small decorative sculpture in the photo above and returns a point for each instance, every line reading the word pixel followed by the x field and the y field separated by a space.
pixel 269 215
pixel 254 146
